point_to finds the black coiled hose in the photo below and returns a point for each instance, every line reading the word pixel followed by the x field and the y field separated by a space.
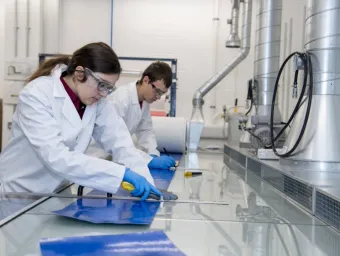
pixel 307 69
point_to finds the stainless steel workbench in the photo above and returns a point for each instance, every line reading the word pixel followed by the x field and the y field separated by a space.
pixel 257 221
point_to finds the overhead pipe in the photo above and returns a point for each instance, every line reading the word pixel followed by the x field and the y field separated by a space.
pixel 197 100
pixel 234 40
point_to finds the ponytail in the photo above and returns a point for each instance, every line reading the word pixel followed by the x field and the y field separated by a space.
pixel 47 66
pixel 98 57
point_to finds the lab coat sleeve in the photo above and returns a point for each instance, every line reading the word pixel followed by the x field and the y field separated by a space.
pixel 142 151
pixel 120 100
pixel 36 119
pixel 145 135
pixel 145 156
pixel 113 136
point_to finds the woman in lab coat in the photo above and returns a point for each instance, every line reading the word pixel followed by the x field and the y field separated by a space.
pixel 54 121
pixel 132 101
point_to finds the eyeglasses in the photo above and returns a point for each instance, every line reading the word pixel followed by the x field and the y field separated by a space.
pixel 102 85
pixel 158 91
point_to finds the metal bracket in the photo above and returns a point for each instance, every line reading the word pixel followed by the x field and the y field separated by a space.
pixel 298 63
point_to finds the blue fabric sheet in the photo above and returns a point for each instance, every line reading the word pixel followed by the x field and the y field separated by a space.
pixel 119 211
pixel 152 243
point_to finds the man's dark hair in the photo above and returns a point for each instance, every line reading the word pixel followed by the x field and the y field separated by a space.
pixel 159 71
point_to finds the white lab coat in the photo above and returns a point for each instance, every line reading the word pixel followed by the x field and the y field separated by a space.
pixel 49 140
pixel 137 119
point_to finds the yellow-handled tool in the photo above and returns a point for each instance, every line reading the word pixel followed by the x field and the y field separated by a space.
pixel 167 196
pixel 129 187
pixel 192 174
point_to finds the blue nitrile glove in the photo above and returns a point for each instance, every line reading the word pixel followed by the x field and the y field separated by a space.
pixel 142 186
pixel 162 162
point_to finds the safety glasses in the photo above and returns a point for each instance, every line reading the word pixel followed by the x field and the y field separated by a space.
pixel 102 85
pixel 158 91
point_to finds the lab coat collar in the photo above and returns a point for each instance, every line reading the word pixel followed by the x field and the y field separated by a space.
pixel 134 93
pixel 71 114
pixel 134 96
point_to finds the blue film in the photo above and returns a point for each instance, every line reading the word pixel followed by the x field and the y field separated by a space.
pixel 119 211
pixel 111 211
pixel 152 243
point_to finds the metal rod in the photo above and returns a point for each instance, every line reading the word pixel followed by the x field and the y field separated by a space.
pixel 16 28
pixel 284 102
pixel 174 61
pixel 24 194
pixel 111 23
pixel 28 27
pixel 42 27
pixel 189 169
pixel 289 82
pixel 131 72
pixel 60 18
pixel 303 28
pixel 173 90
pixel 216 23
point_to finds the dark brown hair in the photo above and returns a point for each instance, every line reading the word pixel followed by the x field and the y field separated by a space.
pixel 98 57
pixel 159 71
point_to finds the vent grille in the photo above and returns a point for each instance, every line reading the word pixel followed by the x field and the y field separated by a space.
pixel 328 210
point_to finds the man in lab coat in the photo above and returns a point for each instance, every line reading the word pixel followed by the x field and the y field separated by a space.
pixel 132 102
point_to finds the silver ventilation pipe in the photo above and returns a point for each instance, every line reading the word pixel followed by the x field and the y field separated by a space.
pixel 196 124
pixel 266 69
pixel 197 100
pixel 234 40
pixel 320 146
pixel 267 58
